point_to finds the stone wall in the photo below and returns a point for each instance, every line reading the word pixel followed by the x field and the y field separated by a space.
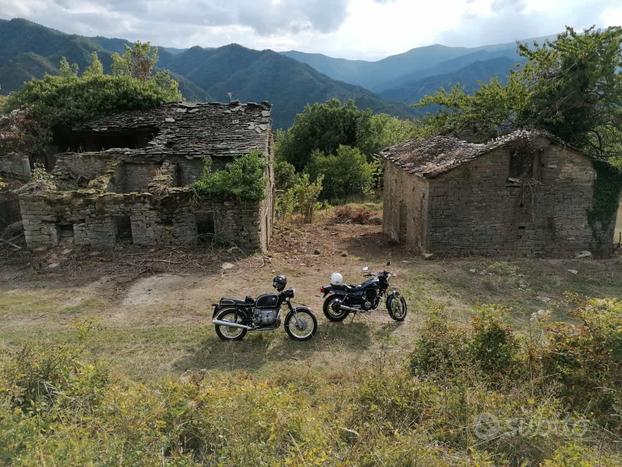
pixel 405 206
pixel 15 165
pixel 9 209
pixel 87 219
pixel 474 209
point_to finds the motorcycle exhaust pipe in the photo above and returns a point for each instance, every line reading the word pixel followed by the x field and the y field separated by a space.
pixel 349 308
pixel 230 324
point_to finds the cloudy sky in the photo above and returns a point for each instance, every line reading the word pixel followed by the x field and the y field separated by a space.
pixel 367 29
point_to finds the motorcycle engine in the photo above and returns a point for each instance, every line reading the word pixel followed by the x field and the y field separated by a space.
pixel 264 317
pixel 370 300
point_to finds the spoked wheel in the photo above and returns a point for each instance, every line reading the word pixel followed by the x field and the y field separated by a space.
pixel 229 333
pixel 300 324
pixel 396 305
pixel 333 310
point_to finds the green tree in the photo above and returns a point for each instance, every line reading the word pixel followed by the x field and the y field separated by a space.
pixel 571 86
pixel 305 194
pixel 95 68
pixel 323 127
pixel 284 175
pixel 137 61
pixel 576 87
pixel 345 174
pixel 383 131
pixel 66 69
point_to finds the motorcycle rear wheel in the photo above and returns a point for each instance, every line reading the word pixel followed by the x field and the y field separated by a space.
pixel 227 333
pixel 329 309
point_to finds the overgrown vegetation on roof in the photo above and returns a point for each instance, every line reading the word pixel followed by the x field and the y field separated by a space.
pixel 70 97
pixel 243 179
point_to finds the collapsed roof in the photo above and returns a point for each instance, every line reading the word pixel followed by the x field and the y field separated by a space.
pixel 434 156
pixel 207 129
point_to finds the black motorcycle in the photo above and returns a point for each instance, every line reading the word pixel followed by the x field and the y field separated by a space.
pixel 233 318
pixel 343 299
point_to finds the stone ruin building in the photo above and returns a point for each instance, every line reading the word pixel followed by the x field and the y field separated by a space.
pixel 127 178
pixel 525 194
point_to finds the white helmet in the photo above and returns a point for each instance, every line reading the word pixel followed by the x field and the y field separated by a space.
pixel 336 278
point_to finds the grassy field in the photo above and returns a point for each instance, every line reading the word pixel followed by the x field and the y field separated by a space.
pixel 146 317
pixel 159 323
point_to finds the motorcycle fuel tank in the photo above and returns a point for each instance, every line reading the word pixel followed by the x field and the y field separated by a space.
pixel 268 300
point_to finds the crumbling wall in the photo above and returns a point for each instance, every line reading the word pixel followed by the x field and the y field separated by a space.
pixel 475 209
pixel 85 165
pixel 15 165
pixel 142 193
pixel 87 219
pixel 405 206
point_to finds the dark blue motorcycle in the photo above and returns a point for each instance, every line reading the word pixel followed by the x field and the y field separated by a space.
pixel 342 299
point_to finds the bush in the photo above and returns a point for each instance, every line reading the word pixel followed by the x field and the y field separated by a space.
pixel 60 100
pixel 585 360
pixel 440 350
pixel 284 175
pixel 243 179
pixel 68 99
pixel 493 346
pixel 346 174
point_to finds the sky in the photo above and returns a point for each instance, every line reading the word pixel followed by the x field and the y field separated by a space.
pixel 356 29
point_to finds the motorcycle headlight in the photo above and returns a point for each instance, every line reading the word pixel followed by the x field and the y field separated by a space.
pixel 289 293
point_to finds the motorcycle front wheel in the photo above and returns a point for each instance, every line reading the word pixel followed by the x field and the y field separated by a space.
pixel 332 311
pixel 300 324
pixel 396 305
pixel 229 333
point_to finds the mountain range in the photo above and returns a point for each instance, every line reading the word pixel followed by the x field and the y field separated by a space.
pixel 289 80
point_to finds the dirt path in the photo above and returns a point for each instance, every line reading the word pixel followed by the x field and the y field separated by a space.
pixel 149 311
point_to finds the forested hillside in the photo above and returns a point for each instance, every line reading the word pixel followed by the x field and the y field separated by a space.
pixel 29 50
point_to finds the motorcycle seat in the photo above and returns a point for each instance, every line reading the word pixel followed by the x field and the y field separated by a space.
pixel 348 287
pixel 236 301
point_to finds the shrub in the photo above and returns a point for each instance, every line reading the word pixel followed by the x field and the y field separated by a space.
pixel 346 173
pixel 60 100
pixel 301 197
pixel 493 346
pixel 243 179
pixel 440 349
pixel 585 360
pixel 68 98
pixel 284 175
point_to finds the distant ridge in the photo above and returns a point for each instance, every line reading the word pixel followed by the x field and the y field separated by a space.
pixel 289 80
pixel 29 50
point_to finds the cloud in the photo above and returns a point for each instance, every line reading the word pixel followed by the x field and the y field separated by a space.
pixel 264 17
pixel 368 29
pixel 501 21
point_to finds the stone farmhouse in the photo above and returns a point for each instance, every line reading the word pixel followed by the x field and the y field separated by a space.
pixel 525 194
pixel 127 178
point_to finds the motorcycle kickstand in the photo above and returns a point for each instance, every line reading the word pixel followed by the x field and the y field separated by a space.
pixel 353 316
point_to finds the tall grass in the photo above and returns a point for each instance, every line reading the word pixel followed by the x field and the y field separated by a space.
pixel 480 394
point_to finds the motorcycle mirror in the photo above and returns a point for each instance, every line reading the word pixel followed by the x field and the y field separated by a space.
pixel 366 268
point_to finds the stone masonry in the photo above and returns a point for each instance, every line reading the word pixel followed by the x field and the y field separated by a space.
pixel 527 194
pixel 132 182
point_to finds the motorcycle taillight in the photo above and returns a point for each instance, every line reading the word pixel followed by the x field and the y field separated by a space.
pixel 321 289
